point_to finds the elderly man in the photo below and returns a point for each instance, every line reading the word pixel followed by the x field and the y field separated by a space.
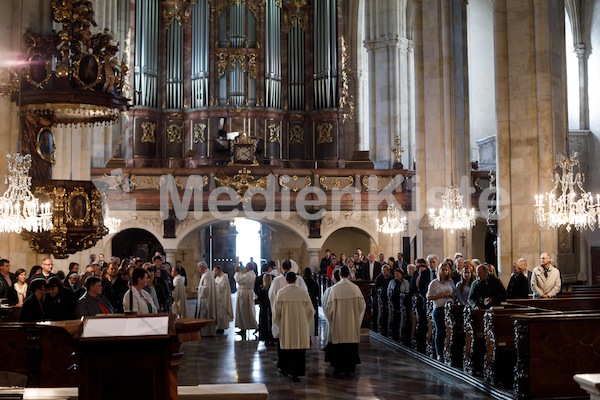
pixel 46 271
pixel 93 302
pixel 487 291
pixel 545 280
pixel 206 306
pixel 293 315
pixel 224 308
pixel 344 307
pixel 371 269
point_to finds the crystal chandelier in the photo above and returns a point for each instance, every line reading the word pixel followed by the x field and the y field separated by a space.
pixel 111 223
pixel 395 221
pixel 574 206
pixel 19 210
pixel 452 216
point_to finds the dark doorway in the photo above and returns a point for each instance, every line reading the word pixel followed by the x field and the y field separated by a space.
pixel 137 243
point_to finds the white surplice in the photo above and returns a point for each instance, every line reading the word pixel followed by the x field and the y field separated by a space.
pixel 293 315
pixel 245 314
pixel 224 307
pixel 206 307
pixel 344 307
pixel 278 283
pixel 179 297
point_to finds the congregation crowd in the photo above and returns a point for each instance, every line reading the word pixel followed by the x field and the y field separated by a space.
pixel 287 302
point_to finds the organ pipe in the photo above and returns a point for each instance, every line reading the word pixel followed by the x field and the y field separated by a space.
pixel 145 59
pixel 200 54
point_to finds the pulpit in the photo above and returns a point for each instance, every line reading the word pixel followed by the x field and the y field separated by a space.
pixel 132 357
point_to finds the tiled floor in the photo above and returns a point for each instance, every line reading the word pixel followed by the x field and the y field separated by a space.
pixel 383 374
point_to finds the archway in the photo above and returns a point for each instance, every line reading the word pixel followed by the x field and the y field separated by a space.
pixel 347 240
pixel 137 243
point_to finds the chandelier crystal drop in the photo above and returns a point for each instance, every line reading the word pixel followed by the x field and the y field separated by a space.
pixel 574 207
pixel 452 216
pixel 19 209
pixel 394 222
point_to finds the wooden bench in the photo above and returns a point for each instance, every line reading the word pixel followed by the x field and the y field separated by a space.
pixel 455 335
pixel 550 349
pixel 574 303
pixel 500 353
pixel 234 391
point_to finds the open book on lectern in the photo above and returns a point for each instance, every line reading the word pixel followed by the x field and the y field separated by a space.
pixel 125 326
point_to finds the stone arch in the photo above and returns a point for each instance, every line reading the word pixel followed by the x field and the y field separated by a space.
pixel 138 242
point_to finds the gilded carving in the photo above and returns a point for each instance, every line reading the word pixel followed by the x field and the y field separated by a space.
pixel 294 183
pixel 324 131
pixel 368 179
pixel 177 10
pixel 238 59
pixel 222 60
pixel 274 133
pixel 252 68
pixel 199 133
pixel 330 182
pixel 346 99
pixel 296 134
pixel 175 134
pixel 148 132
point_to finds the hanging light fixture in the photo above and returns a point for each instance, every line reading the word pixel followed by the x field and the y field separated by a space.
pixel 111 223
pixel 573 206
pixel 19 209
pixel 452 216
pixel 395 221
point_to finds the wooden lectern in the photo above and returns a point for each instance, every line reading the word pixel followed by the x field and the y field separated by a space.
pixel 132 357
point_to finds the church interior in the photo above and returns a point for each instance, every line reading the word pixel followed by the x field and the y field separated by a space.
pixel 219 130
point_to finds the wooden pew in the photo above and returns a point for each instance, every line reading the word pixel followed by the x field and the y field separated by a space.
pixel 475 356
pixel 550 349
pixel 455 335
pixel 418 319
pixel 500 355
pixel 42 352
pixel 575 303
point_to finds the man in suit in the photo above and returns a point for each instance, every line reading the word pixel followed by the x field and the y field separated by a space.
pixel 93 302
pixel 46 272
pixel 429 274
pixel 7 278
pixel 371 269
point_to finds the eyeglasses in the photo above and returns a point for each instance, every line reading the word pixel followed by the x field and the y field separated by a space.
pixel 47 264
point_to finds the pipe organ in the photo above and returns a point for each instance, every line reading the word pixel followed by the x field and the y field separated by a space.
pixel 206 71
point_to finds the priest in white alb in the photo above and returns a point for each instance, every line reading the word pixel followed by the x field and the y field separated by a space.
pixel 293 315
pixel 224 307
pixel 278 283
pixel 245 313
pixel 206 306
pixel 179 295
pixel 344 307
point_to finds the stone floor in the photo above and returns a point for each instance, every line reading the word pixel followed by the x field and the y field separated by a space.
pixel 383 374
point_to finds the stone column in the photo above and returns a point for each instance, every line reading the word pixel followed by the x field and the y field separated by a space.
pixel 390 88
pixel 442 117
pixel 532 120
pixel 171 256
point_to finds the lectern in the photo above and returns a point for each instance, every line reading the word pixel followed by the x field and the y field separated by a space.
pixel 130 357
